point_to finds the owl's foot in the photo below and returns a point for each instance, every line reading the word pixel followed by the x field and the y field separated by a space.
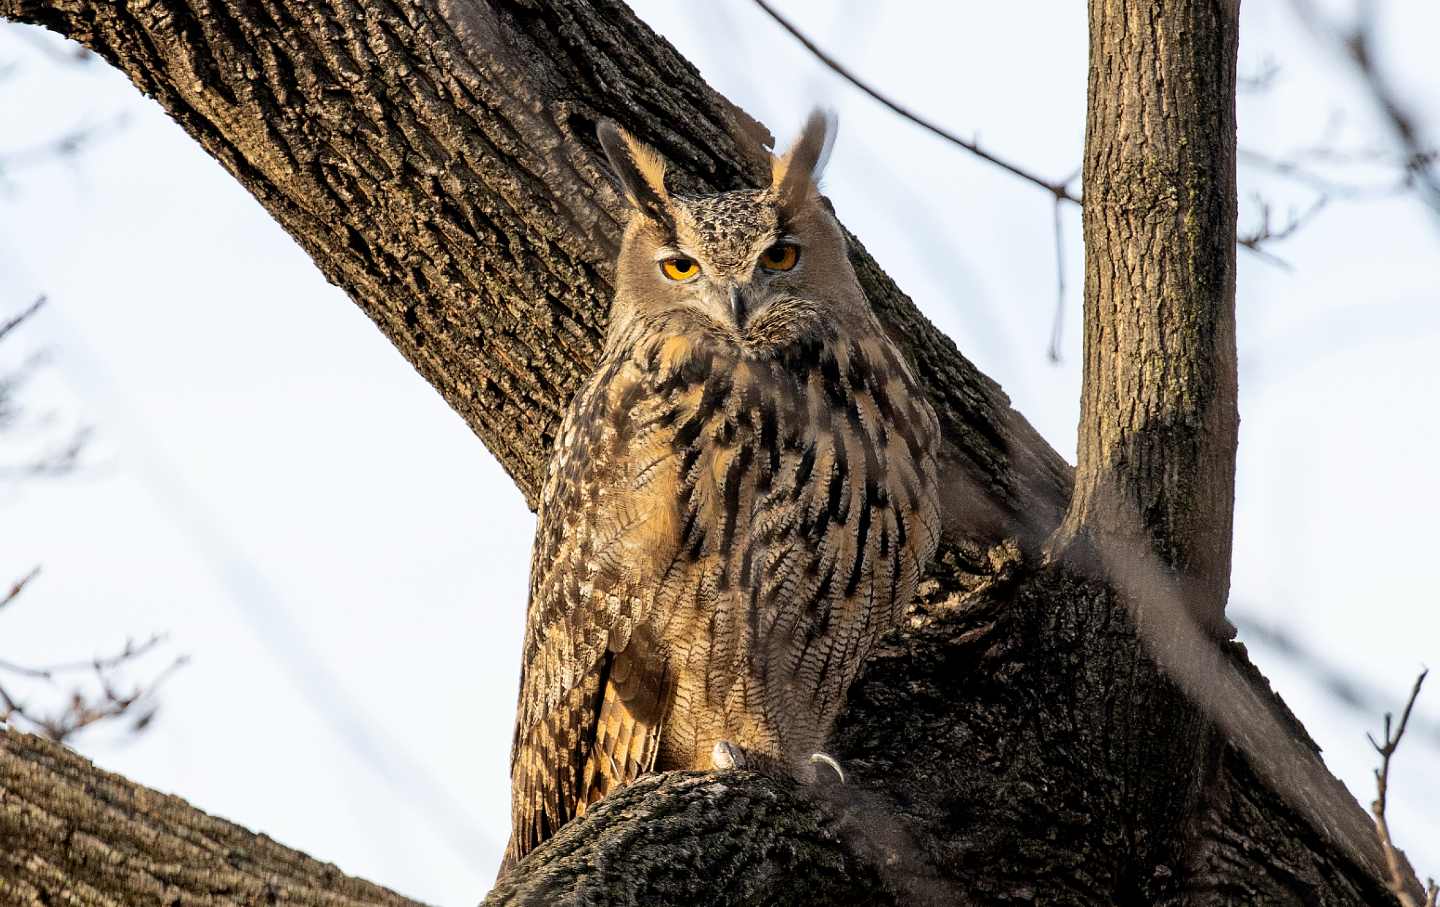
pixel 726 755
pixel 827 759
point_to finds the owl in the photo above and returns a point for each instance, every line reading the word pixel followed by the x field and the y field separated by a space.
pixel 740 501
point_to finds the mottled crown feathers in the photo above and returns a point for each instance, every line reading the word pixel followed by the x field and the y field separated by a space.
pixel 640 170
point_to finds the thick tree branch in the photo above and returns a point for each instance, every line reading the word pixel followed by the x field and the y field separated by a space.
pixel 994 778
pixel 992 748
pixel 72 834
pixel 708 841
pixel 438 161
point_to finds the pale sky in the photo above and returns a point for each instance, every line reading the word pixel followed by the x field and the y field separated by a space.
pixel 345 564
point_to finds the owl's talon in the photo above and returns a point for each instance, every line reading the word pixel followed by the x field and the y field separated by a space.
pixel 827 759
pixel 726 755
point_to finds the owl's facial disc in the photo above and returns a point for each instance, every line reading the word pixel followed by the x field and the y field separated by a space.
pixel 734 296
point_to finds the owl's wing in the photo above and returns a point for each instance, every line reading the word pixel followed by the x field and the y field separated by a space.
pixel 591 690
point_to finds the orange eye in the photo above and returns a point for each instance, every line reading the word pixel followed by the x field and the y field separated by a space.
pixel 679 268
pixel 780 257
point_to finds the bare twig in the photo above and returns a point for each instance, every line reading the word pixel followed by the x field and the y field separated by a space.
pixel 1401 877
pixel 66 145
pixel 1262 79
pixel 68 53
pixel 1346 689
pixel 1058 189
pixel 1057 326
pixel 1291 168
pixel 19 586
pixel 98 664
pixel 1266 233
pixel 14 322
pixel 81 709
pixel 61 459
pixel 1355 42
pixel 60 455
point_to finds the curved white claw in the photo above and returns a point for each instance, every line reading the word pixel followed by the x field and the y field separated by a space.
pixel 827 759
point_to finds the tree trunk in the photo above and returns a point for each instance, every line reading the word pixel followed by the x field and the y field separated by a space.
pixel 1158 420
pixel 1014 741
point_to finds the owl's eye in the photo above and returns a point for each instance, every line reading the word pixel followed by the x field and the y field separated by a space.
pixel 780 257
pixel 679 268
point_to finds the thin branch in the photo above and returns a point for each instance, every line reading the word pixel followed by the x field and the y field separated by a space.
pixel 1266 233
pixel 1058 189
pixel 11 324
pixel 1057 326
pixel 61 459
pixel 1399 870
pixel 19 586
pixel 98 664
pixel 1346 689
pixel 1292 169
pixel 83 711
pixel 65 145
pixel 67 53
pixel 1262 80
pixel 1355 42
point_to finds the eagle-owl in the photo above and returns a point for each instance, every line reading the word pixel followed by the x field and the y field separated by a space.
pixel 740 501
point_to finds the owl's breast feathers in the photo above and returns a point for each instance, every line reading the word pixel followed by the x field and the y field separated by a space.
pixel 713 520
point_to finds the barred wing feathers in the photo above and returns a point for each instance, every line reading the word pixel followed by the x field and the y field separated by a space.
pixel 721 539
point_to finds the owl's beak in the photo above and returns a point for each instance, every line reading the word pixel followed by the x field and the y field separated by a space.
pixel 737 306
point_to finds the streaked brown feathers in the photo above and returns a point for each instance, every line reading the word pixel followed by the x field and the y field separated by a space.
pixel 733 514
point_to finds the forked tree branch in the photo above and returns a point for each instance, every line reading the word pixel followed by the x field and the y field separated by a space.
pixel 1401 876
pixel 1013 742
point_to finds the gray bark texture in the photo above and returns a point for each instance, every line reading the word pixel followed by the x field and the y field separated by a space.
pixel 1016 741
pixel 73 834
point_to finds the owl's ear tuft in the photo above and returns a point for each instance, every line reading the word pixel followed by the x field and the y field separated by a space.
pixel 795 174
pixel 638 168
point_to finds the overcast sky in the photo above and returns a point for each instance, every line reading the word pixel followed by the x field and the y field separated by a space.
pixel 345 564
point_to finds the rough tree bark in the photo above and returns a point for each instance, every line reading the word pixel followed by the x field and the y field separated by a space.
pixel 1014 742
pixel 1158 419
pixel 72 834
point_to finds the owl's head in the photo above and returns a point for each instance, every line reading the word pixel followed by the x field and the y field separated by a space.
pixel 755 267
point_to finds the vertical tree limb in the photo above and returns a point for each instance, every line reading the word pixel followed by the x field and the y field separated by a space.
pixel 1159 423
